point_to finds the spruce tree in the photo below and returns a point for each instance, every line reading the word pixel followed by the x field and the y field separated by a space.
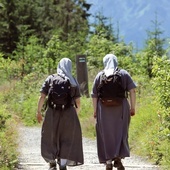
pixel 154 45
pixel 41 18
pixel 72 17
pixel 102 26
pixel 8 29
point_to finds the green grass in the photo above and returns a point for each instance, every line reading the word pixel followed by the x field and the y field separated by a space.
pixel 86 117
pixel 144 125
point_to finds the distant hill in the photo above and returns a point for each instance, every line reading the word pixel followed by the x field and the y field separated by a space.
pixel 134 17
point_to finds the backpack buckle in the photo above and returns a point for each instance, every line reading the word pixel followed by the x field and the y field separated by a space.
pixel 63 106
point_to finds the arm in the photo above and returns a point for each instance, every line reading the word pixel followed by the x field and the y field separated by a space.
pixel 132 101
pixel 40 105
pixel 94 106
pixel 78 105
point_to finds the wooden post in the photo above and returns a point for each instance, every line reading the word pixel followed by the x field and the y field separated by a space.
pixel 82 75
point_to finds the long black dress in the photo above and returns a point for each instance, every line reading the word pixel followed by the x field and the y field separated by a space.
pixel 112 123
pixel 61 132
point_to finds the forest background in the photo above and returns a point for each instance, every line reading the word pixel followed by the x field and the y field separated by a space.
pixel 36 34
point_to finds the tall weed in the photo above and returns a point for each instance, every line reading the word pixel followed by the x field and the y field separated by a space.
pixel 23 97
pixel 8 143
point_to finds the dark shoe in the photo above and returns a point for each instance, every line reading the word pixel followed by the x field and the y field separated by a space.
pixel 121 168
pixel 53 166
pixel 63 168
pixel 118 164
pixel 109 166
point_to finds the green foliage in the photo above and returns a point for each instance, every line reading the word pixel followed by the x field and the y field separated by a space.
pixel 86 117
pixel 53 53
pixel 29 56
pixel 161 84
pixel 3 117
pixel 150 128
pixel 161 81
pixel 57 49
pixel 8 29
pixel 126 58
pixel 74 18
pixel 100 27
pixel 145 125
pixel 23 96
pixel 8 155
pixel 40 18
pixel 9 69
pixel 98 47
pixel 154 46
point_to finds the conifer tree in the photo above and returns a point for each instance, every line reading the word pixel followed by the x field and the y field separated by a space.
pixel 72 17
pixel 41 18
pixel 154 45
pixel 8 28
pixel 102 26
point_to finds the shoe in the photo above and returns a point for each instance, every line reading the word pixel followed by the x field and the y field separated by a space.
pixel 53 166
pixel 121 168
pixel 109 166
pixel 118 164
pixel 63 168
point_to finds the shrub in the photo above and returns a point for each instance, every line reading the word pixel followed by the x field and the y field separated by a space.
pixel 8 154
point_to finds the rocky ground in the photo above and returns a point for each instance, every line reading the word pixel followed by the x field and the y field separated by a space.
pixel 30 157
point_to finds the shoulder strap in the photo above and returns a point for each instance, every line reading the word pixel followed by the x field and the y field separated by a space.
pixel 101 80
pixel 117 71
pixel 53 77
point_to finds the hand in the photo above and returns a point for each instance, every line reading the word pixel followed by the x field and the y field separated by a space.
pixel 94 115
pixel 39 117
pixel 132 112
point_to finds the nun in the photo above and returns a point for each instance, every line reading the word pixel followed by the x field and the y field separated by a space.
pixel 112 123
pixel 61 136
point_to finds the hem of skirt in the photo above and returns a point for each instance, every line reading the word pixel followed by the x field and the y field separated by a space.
pixel 104 161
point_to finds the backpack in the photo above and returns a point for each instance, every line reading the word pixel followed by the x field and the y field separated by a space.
pixel 110 90
pixel 59 95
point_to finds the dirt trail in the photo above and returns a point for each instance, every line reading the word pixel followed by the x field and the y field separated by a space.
pixel 30 157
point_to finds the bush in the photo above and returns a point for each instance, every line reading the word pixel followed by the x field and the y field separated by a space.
pixel 23 97
pixel 161 84
pixel 8 145
pixel 149 129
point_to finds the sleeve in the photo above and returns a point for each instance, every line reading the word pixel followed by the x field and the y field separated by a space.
pixel 77 92
pixel 130 84
pixel 45 87
pixel 95 85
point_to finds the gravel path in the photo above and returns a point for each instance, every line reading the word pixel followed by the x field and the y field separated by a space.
pixel 30 157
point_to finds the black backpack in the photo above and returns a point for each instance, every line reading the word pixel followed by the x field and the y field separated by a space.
pixel 110 90
pixel 59 95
